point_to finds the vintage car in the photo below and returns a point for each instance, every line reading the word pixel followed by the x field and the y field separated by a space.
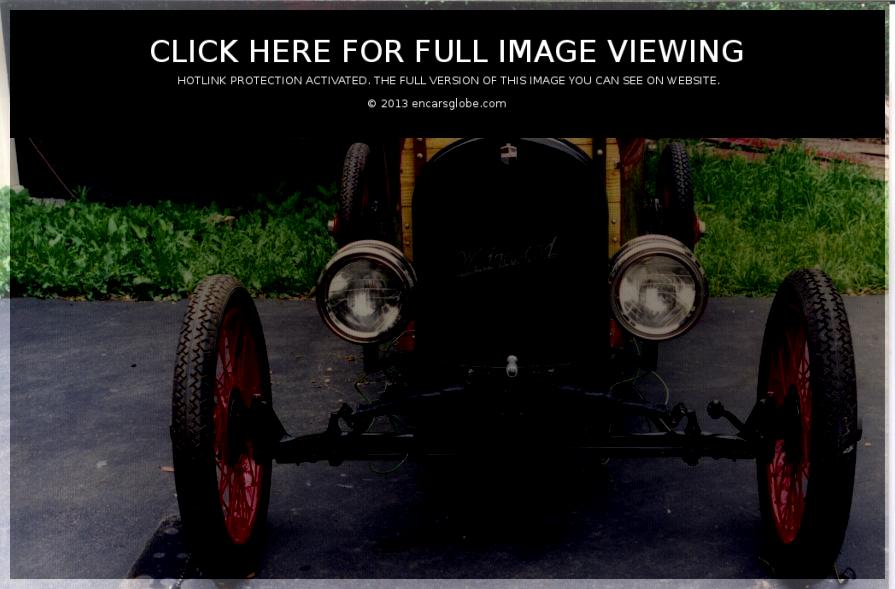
pixel 509 286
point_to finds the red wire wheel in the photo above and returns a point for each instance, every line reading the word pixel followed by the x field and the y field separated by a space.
pixel 807 467
pixel 222 473
pixel 238 383
pixel 789 389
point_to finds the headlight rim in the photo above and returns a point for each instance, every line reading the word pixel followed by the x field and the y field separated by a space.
pixel 657 245
pixel 383 253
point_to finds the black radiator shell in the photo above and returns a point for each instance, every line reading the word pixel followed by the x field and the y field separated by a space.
pixel 510 240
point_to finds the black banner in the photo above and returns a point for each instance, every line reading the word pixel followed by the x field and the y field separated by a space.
pixel 449 72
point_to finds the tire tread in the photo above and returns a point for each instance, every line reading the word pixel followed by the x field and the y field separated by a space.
pixel 192 427
pixel 834 426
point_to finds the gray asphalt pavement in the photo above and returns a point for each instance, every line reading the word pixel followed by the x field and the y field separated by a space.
pixel 90 407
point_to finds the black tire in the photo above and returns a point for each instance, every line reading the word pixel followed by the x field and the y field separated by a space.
pixel 806 472
pixel 353 193
pixel 221 350
pixel 675 214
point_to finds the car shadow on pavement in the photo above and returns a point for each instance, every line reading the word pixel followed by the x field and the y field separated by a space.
pixel 523 508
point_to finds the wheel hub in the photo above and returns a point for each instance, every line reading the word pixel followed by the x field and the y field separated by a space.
pixel 792 427
pixel 236 428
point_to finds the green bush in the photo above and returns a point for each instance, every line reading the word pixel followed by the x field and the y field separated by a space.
pixel 4 242
pixel 84 249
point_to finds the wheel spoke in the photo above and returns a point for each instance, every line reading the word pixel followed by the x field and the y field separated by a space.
pixel 224 488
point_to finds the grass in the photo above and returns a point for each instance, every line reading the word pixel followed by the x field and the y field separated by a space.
pixel 94 251
pixel 766 218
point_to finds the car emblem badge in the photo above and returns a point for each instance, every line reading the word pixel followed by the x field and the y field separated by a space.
pixel 508 153
pixel 512 367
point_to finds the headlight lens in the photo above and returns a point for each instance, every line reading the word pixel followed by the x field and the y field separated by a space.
pixel 364 292
pixel 658 288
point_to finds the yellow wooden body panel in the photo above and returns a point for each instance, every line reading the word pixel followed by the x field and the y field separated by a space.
pixel 585 144
pixel 434 145
pixel 614 194
pixel 408 181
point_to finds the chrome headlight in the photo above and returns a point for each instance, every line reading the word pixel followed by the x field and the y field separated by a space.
pixel 363 294
pixel 658 289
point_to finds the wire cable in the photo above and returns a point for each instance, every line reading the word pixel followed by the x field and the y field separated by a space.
pixel 51 168
pixel 394 421
pixel 390 470
pixel 664 384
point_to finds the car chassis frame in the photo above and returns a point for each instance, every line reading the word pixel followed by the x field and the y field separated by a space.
pixel 679 434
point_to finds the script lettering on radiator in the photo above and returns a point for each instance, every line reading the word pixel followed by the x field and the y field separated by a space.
pixel 486 259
